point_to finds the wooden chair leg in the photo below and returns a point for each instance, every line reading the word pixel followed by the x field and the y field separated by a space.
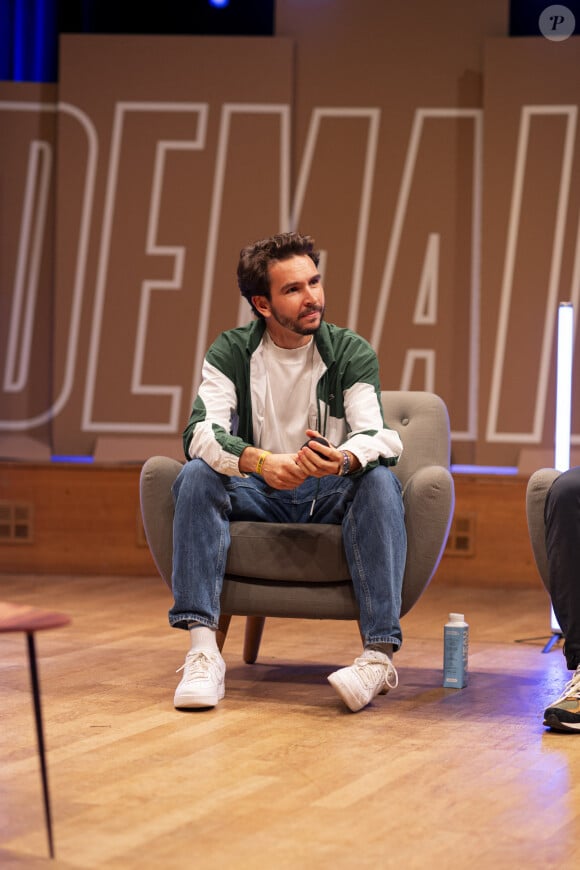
pixel 252 638
pixel 221 634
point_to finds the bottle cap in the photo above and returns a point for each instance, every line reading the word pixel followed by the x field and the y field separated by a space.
pixel 457 617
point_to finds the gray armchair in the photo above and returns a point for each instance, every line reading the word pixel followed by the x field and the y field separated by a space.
pixel 300 570
pixel 536 492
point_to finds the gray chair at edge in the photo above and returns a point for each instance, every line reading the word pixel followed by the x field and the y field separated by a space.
pixel 300 571
pixel 536 492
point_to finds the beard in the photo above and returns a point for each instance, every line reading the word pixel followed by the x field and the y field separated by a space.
pixel 296 325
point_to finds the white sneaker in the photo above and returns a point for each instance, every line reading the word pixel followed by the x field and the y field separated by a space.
pixel 564 713
pixel 372 673
pixel 203 681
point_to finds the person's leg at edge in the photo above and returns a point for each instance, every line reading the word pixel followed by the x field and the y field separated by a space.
pixel 200 546
pixel 205 503
pixel 375 543
pixel 562 519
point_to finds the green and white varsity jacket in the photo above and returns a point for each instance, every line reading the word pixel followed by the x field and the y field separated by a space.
pixel 345 405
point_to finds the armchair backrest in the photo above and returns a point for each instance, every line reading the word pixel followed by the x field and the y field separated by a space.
pixel 422 421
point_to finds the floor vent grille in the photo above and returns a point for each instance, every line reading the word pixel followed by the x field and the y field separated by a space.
pixel 461 540
pixel 16 523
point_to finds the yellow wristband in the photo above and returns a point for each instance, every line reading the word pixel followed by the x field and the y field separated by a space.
pixel 261 460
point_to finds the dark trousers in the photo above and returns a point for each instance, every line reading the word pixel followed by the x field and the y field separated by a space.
pixel 562 518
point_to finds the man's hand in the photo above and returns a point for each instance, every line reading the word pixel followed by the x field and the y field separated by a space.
pixel 279 470
pixel 282 471
pixel 319 460
pixel 289 470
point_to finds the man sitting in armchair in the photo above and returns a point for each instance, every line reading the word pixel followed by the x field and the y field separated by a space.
pixel 288 426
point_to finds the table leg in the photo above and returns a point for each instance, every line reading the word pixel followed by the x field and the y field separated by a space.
pixel 40 737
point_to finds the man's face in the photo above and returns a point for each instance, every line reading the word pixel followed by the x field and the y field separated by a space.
pixel 295 309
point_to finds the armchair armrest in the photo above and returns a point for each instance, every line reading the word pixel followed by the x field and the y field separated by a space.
pixel 429 499
pixel 536 492
pixel 156 479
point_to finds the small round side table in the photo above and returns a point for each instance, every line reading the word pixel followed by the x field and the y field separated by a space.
pixel 18 617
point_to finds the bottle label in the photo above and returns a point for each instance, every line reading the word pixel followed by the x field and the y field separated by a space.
pixel 455 656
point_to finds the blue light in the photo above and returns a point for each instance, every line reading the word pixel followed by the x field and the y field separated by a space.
pixel 29 40
pixel 20 34
pixel 219 4
pixel 72 459
pixel 484 469
pixel 6 39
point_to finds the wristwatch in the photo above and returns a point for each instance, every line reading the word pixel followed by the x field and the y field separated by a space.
pixel 345 463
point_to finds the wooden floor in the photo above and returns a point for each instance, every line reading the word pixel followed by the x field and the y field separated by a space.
pixel 281 775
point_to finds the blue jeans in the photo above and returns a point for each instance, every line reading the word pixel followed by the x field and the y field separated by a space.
pixel 369 508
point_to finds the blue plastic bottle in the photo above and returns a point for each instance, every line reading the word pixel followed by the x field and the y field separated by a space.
pixel 455 650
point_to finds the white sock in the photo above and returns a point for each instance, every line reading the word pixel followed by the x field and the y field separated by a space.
pixel 386 648
pixel 202 637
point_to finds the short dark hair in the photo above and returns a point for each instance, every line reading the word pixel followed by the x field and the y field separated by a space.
pixel 255 259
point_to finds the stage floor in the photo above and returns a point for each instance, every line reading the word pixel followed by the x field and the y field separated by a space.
pixel 280 774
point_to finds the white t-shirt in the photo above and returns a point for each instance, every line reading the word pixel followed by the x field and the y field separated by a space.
pixel 289 373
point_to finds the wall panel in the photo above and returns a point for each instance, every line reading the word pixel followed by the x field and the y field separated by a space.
pixel 435 167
